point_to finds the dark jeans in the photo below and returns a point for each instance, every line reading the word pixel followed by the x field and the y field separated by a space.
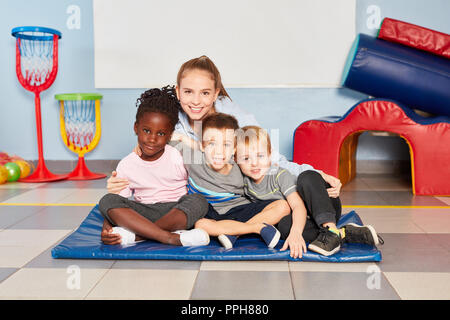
pixel 241 213
pixel 320 208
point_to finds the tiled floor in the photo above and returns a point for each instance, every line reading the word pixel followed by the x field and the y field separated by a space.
pixel 36 217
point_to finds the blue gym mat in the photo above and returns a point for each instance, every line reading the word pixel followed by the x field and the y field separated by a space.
pixel 85 243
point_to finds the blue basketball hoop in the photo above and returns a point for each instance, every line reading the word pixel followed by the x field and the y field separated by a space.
pixel 35 33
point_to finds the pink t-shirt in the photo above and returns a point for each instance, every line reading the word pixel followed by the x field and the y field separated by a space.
pixel 162 180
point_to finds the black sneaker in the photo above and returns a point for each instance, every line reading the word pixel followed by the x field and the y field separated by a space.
pixel 327 243
pixel 362 234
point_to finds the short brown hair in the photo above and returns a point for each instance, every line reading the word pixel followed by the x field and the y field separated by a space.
pixel 219 120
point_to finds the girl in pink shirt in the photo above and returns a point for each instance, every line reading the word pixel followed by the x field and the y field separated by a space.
pixel 161 210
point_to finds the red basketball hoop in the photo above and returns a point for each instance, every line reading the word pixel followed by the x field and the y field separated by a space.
pixel 36 68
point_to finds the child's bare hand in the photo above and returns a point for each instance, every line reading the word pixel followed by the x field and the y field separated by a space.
pixel 115 184
pixel 107 236
pixel 335 184
pixel 296 244
pixel 334 192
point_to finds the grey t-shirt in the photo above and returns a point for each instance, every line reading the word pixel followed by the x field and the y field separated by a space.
pixel 223 192
pixel 276 185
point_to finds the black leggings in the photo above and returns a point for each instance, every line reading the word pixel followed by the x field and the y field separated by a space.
pixel 320 208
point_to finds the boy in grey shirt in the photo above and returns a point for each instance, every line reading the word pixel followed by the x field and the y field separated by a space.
pixel 315 222
pixel 214 174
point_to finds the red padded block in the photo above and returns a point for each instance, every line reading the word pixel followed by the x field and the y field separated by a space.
pixel 319 143
pixel 415 36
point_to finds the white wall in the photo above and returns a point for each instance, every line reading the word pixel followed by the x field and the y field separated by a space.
pixel 257 43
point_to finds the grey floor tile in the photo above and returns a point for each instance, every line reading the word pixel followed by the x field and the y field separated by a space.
pixel 6 272
pixel 357 184
pixel 50 283
pixel 92 184
pixel 141 284
pixel 54 217
pixel 42 195
pixel 19 247
pixel 10 215
pixel 98 183
pixel 6 194
pixel 45 260
pixel 415 260
pixel 420 286
pixel 440 239
pixel 84 196
pixel 444 199
pixel 157 264
pixel 367 198
pixel 235 285
pixel 63 184
pixel 407 198
pixel 404 256
pixel 413 253
pixel 387 182
pixel 20 185
pixel 397 241
pixel 342 286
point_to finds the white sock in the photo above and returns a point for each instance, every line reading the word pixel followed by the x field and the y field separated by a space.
pixel 127 236
pixel 193 237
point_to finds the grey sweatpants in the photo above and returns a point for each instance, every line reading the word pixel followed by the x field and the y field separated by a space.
pixel 194 206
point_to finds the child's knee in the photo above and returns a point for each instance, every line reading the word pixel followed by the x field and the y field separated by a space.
pixel 197 202
pixel 308 179
pixel 202 203
pixel 107 203
pixel 202 223
pixel 208 225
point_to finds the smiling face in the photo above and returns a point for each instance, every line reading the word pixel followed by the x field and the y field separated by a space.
pixel 218 146
pixel 153 130
pixel 197 93
pixel 253 159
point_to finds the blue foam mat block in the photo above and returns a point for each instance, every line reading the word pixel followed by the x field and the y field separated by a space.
pixel 85 243
pixel 383 69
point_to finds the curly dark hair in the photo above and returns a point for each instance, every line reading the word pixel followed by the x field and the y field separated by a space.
pixel 162 100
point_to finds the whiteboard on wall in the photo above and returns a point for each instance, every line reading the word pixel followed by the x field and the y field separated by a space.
pixel 254 43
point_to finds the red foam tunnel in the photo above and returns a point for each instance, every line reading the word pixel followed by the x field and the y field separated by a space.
pixel 329 144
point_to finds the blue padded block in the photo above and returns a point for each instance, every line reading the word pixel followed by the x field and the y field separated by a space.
pixel 85 243
pixel 389 70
